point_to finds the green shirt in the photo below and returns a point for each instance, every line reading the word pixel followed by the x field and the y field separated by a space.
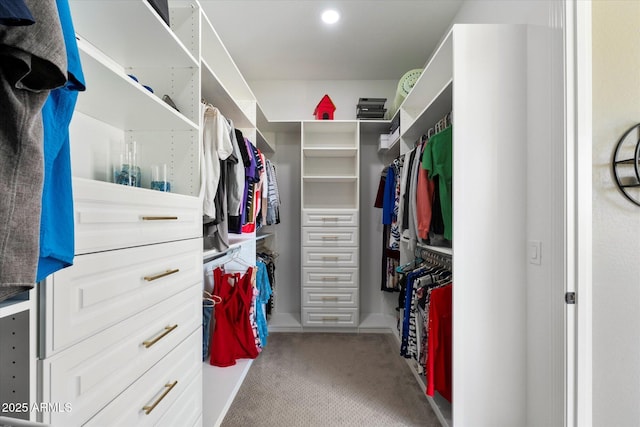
pixel 438 160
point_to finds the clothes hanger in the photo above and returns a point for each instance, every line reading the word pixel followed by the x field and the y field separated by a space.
pixel 409 266
pixel 213 299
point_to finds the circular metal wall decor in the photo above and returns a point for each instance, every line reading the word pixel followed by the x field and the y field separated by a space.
pixel 626 164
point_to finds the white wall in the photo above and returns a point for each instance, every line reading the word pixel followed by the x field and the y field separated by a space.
pixel 616 222
pixel 287 163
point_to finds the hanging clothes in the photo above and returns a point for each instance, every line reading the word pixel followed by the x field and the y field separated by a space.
pixel 269 258
pixel 236 184
pixel 386 199
pixel 273 195
pixel 57 245
pixel 439 357
pixel 233 337
pixel 33 62
pixel 216 146
pixel 263 286
pixel 438 161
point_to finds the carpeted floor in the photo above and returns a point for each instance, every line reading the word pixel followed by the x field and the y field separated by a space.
pixel 330 379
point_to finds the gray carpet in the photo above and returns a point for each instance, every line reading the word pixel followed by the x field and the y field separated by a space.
pixel 330 379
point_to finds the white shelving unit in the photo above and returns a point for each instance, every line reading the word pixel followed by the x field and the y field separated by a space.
pixel 224 87
pixel 138 232
pixel 330 201
pixel 486 65
pixel 18 370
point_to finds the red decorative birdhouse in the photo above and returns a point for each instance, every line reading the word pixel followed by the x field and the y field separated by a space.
pixel 325 108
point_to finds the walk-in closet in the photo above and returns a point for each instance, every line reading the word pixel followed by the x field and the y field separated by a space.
pixel 218 202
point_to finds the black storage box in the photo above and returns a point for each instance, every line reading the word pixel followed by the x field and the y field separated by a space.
pixel 162 7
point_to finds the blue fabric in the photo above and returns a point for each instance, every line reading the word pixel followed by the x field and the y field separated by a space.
pixel 15 12
pixel 408 299
pixel 207 313
pixel 388 200
pixel 56 222
pixel 264 289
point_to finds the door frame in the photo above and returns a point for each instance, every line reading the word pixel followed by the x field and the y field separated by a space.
pixel 578 186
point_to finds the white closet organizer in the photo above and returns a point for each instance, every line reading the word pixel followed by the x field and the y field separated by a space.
pixel 479 72
pixel 330 205
pixel 121 329
pixel 224 87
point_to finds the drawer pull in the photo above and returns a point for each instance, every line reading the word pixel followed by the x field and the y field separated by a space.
pixel 330 279
pixel 330 218
pixel 167 329
pixel 329 258
pixel 158 276
pixel 333 318
pixel 147 409
pixel 329 298
pixel 159 218
pixel 329 237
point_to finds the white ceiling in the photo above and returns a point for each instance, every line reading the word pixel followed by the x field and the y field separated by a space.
pixel 286 40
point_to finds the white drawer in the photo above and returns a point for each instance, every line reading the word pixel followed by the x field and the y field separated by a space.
pixel 330 257
pixel 187 409
pixel 325 277
pixel 330 217
pixel 332 297
pixel 149 398
pixel 102 289
pixel 330 317
pixel 92 373
pixel 110 216
pixel 330 236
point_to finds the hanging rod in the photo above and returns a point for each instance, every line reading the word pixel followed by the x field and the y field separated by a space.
pixel 434 257
pixel 218 255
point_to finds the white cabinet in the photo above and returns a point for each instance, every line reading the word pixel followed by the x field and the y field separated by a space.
pixel 120 330
pixel 330 205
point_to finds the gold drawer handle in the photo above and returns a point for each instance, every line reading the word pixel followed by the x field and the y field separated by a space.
pixel 159 218
pixel 147 409
pixel 330 279
pixel 335 319
pixel 167 330
pixel 329 258
pixel 329 298
pixel 158 276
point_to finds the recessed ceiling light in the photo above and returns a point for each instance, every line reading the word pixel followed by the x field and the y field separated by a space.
pixel 330 16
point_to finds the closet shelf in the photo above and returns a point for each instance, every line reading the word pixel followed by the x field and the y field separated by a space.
pixel 332 178
pixel 330 152
pixel 393 146
pixel 438 107
pixel 438 249
pixel 137 108
pixel 16 304
pixel 437 72
pixel 264 236
pixel 117 33
pixel 215 92
pixel 215 54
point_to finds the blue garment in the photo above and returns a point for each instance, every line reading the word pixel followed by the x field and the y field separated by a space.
pixel 408 300
pixel 15 13
pixel 207 313
pixel 32 62
pixel 264 289
pixel 388 201
pixel 56 222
